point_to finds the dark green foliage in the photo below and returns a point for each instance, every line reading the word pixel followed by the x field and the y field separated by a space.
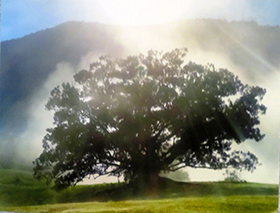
pixel 142 115
pixel 232 176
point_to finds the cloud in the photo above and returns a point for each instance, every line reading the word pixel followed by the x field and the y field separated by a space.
pixel 29 143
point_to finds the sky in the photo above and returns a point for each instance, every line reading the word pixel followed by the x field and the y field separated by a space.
pixel 22 17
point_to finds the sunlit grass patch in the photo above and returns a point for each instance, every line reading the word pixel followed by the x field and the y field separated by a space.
pixel 231 204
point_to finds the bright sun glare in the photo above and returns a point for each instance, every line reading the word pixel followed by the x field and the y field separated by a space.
pixel 149 12
pixel 126 12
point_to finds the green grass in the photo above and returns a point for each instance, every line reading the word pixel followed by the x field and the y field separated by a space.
pixel 231 204
pixel 21 193
pixel 19 188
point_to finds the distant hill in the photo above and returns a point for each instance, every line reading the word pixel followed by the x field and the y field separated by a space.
pixel 29 61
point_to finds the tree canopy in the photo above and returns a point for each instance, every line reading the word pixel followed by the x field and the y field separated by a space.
pixel 141 115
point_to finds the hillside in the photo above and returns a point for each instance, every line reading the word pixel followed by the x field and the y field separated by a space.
pixel 27 62
pixel 18 188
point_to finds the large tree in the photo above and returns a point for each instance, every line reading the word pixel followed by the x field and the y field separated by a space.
pixel 138 116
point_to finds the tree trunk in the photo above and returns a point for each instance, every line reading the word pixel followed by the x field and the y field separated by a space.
pixel 148 184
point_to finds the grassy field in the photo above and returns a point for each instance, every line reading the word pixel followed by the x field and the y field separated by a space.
pixel 228 204
pixel 19 192
pixel 19 188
